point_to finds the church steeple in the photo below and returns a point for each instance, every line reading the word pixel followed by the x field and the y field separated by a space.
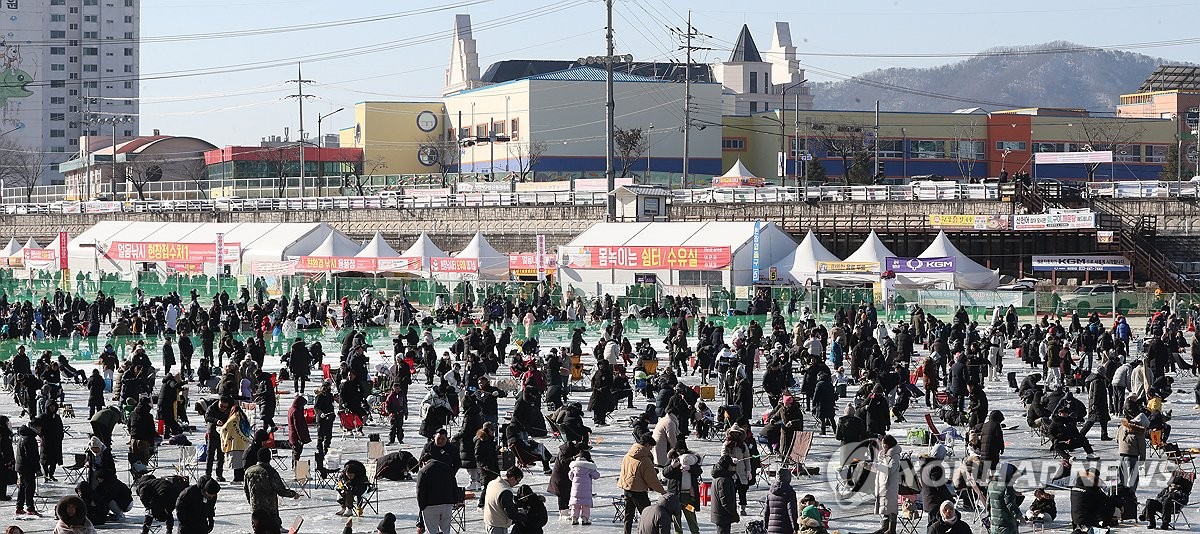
pixel 463 72
pixel 744 51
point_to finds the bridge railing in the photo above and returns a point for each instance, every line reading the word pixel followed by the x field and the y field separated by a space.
pixel 1144 189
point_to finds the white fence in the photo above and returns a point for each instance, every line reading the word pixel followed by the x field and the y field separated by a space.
pixel 1148 189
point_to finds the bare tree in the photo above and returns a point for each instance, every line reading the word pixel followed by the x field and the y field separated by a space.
pixel 1117 134
pixel 280 158
pixel 370 167
pixel 528 155
pixel 845 141
pixel 21 167
pixel 446 150
pixel 629 145
pixel 195 171
pixel 144 170
pixel 966 150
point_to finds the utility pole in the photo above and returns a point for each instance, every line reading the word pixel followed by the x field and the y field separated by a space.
pixel 609 107
pixel 300 96
pixel 876 143
pixel 687 94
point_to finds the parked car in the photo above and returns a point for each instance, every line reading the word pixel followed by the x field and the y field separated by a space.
pixel 1022 284
pixel 1094 297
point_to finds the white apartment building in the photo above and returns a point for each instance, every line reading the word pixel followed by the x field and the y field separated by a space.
pixel 70 71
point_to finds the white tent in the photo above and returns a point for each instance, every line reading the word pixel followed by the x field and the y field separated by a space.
pixel 801 265
pixel 493 265
pixel 11 248
pixel 967 273
pixel 871 251
pixel 377 247
pixel 424 248
pixel 335 244
pixel 738 170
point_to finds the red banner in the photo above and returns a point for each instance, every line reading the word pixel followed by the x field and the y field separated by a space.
pixel 528 260
pixel 454 265
pixel 62 250
pixel 699 258
pixel 320 264
pixel 177 252
pixel 186 267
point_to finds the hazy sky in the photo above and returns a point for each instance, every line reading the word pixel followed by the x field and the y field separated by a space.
pixel 248 50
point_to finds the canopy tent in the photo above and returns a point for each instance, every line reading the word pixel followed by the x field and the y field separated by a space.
pixel 90 251
pixel 335 245
pixel 738 176
pixel 668 253
pixel 11 248
pixel 425 249
pixel 31 244
pixel 967 273
pixel 377 247
pixel 871 251
pixel 801 265
pixel 491 264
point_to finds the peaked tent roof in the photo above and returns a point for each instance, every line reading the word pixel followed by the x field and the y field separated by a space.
pixel 493 265
pixel 335 244
pixel 424 248
pixel 744 51
pixel 377 247
pixel 967 273
pixel 801 264
pixel 11 248
pixel 871 250
pixel 738 170
pixel 31 244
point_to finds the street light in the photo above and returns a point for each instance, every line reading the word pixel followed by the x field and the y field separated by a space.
pixel 320 161
pixel 796 116
pixel 649 131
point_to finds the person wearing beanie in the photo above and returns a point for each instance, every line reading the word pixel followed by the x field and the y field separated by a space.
pixel 197 506
pixel 724 509
pixel 263 487
pixel 387 525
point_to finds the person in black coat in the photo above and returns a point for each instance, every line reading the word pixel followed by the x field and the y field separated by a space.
pixel 159 497
pixel 142 432
pixel 352 396
pixel 1098 411
pixel 168 398
pixel 258 442
pixel 879 418
pixel 724 512
pixel 265 399
pixel 991 439
pixel 560 480
pixel 825 403
pixel 215 416
pixel 186 350
pixel 300 364
pixel 8 468
pixel 27 463
pixel 958 381
pixel 50 427
pixel 95 385
pixel 196 506
pixel 436 487
pixel 1090 505
pixel 601 401
pixel 168 355
pixel 531 515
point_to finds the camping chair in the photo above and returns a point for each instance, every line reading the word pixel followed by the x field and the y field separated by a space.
pixel 302 472
pixel 187 464
pixel 333 467
pixel 326 372
pixel 1157 443
pixel 801 443
pixel 1180 456
pixel 370 497
pixel 375 451
pixel 75 471
pixel 910 514
pixel 1189 476
pixel 458 518
pixel 946 438
pixel 618 504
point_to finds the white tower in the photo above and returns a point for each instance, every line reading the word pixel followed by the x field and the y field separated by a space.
pixel 463 72
pixel 785 68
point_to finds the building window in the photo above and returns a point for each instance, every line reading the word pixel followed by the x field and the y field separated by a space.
pixel 58 18
pixel 767 83
pixel 700 278
pixel 58 34
pixel 128 68
pixel 129 85
pixel 128 35
pixel 57 66
pixel 498 127
pixel 89 2
pixel 128 52
pixel 514 130
pixel 733 143
pixel 89 18
pixel 753 107
pixel 753 82
pixel 481 130
pixel 57 100
pixel 73 10
pixel 929 149
pixel 73 75
pixel 58 133
pixel 1011 146
pixel 128 19
pixel 72 141
pixel 58 2
pixel 91 68
pixel 891 148
pixel 1129 153
pixel 58 117
pixel 969 150
pixel 58 149
pixel 1156 154
pixel 91 84
pixel 91 51
pixel 128 3
pixel 91 35
pixel 58 50
pixel 127 133
pixel 58 83
pixel 652 206
pixel 72 109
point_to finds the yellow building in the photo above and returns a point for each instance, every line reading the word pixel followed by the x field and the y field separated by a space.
pixel 397 137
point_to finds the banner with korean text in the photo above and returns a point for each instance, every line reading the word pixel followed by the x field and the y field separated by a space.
pixel 167 251
pixel 968 222
pixel 919 265
pixel 454 265
pixel 693 258
pixel 1055 221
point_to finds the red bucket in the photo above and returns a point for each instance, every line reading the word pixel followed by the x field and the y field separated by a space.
pixel 704 497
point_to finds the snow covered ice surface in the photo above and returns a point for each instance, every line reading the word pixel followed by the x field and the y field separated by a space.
pixel 610 444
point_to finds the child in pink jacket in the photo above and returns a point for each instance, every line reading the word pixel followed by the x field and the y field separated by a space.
pixel 582 473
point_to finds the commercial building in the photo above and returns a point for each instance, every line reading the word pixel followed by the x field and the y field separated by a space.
pixel 274 171
pixel 400 137
pixel 971 143
pixel 164 167
pixel 70 70
pixel 1171 92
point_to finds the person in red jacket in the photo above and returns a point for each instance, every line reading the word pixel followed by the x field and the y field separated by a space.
pixel 297 428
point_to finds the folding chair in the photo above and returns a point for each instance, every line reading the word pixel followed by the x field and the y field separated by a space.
pixel 333 465
pixel 370 497
pixel 1157 442
pixel 618 504
pixel 1189 476
pixel 910 514
pixel 75 471
pixel 946 438
pixel 458 518
pixel 187 464
pixel 302 473
pixel 375 451
pixel 801 443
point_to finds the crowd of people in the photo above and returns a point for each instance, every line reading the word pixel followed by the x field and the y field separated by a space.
pixel 856 365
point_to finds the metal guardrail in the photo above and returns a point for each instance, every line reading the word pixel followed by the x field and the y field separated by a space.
pixel 924 191
pixel 1144 189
